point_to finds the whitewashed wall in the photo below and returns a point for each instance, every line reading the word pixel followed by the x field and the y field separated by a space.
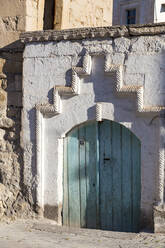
pixel 47 64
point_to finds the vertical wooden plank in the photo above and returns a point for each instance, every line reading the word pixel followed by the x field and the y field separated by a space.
pixel 65 186
pixel 117 194
pixel 73 178
pixel 83 196
pixel 106 173
pixel 97 177
pixel 136 182
pixel 126 181
pixel 91 175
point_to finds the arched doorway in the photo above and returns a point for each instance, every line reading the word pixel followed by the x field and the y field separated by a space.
pixel 102 177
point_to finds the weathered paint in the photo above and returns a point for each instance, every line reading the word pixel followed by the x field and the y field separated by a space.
pixel 104 179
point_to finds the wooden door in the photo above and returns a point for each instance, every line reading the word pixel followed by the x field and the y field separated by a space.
pixel 120 178
pixel 102 177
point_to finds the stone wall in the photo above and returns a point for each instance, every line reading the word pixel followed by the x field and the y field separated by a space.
pixel 12 20
pixel 18 16
pixel 90 13
pixel 14 196
pixel 87 13
pixel 34 14
pixel 15 17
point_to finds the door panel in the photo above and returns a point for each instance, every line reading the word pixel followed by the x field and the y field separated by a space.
pixel 81 183
pixel 116 177
pixel 91 176
pixel 65 185
pixel 73 179
pixel 106 173
pixel 127 179
pixel 102 177
pixel 83 192
pixel 136 190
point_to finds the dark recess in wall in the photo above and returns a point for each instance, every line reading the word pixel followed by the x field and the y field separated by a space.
pixel 49 12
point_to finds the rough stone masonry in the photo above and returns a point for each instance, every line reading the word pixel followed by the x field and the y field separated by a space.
pixel 14 202
pixel 15 17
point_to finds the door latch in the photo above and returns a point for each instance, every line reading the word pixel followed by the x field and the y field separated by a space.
pixel 107 159
pixel 81 142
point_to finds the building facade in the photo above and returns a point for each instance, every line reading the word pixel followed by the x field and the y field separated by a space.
pixel 30 183
pixel 133 12
pixel 138 12
pixel 114 78
pixel 87 13
pixel 72 14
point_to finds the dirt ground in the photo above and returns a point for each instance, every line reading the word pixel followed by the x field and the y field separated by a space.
pixel 46 234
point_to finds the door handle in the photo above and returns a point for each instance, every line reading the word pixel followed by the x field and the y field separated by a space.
pixel 107 159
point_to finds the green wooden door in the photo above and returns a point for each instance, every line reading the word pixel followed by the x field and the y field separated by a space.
pixel 102 179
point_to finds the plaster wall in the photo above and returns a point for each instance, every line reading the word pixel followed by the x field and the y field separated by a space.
pixel 48 64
